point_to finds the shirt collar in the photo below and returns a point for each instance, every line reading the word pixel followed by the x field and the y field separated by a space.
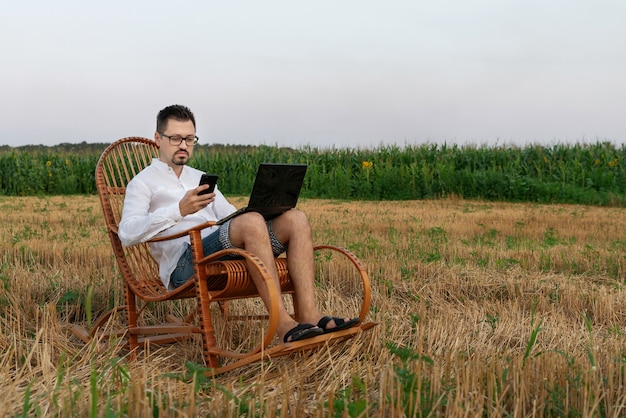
pixel 163 166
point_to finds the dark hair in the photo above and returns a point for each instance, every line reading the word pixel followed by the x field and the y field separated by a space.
pixel 177 112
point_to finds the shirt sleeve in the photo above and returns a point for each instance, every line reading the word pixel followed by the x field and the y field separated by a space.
pixel 138 223
pixel 221 206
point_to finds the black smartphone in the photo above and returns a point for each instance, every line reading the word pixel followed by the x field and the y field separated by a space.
pixel 211 180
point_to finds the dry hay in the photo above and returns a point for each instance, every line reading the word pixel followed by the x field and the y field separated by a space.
pixel 463 286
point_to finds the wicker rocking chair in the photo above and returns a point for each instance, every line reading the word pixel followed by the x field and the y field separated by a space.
pixel 214 281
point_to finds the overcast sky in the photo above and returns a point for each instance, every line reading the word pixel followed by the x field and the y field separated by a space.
pixel 323 73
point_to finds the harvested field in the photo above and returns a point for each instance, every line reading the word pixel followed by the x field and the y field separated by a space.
pixel 484 309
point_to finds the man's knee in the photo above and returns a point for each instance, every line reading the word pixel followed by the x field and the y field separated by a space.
pixel 248 224
pixel 298 217
pixel 293 221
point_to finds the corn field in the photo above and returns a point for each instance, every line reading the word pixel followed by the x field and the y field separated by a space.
pixel 592 174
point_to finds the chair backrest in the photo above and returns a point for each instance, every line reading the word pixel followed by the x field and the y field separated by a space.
pixel 117 165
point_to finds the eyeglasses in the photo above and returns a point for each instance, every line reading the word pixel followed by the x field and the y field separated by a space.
pixel 177 140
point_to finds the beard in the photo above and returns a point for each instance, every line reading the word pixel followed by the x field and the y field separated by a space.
pixel 180 158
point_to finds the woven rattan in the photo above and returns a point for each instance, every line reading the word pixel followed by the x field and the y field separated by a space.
pixel 214 281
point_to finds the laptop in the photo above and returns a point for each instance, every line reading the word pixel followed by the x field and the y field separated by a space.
pixel 276 190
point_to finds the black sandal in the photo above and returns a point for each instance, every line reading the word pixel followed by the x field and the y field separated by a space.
pixel 340 323
pixel 302 332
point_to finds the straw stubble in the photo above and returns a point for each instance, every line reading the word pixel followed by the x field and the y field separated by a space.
pixel 483 309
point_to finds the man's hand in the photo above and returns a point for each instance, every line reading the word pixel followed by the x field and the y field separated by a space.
pixel 191 202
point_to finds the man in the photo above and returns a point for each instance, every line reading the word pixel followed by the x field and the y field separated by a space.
pixel 163 199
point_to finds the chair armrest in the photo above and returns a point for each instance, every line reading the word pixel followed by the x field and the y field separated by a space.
pixel 198 227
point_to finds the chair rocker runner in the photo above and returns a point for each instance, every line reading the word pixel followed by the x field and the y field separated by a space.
pixel 214 280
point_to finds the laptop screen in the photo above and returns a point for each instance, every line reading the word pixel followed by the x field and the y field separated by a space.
pixel 277 186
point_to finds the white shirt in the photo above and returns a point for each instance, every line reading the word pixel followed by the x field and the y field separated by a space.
pixel 151 210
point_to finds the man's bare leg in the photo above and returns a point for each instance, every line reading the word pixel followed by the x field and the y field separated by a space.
pixel 249 231
pixel 293 228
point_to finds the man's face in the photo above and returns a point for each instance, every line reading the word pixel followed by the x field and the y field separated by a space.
pixel 175 156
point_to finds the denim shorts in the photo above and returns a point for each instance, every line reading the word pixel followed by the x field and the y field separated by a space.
pixel 216 241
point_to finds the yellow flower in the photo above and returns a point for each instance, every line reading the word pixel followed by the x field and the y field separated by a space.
pixel 67 162
pixel 48 163
pixel 366 165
